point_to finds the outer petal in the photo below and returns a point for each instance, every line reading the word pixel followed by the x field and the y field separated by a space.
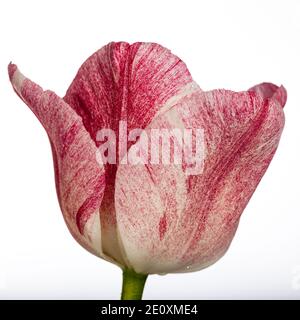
pixel 170 222
pixel 80 181
pixel 124 82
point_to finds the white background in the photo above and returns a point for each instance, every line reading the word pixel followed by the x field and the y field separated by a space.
pixel 226 44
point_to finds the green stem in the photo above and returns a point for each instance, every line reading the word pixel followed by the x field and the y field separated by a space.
pixel 133 285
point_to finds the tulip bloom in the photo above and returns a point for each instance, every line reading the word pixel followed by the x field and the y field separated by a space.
pixel 154 218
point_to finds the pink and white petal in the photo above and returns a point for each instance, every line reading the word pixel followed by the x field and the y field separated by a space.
pixel 149 203
pixel 80 181
pixel 235 178
pixel 124 82
pixel 241 132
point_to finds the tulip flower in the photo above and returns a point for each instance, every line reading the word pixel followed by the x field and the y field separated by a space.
pixel 153 218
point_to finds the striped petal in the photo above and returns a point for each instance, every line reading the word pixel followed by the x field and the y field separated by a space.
pixel 124 82
pixel 80 181
pixel 173 222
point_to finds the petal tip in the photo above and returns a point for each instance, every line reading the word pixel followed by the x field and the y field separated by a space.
pixel 281 95
pixel 11 70
pixel 16 77
pixel 270 91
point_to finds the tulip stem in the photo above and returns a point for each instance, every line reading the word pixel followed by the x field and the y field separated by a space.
pixel 133 285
